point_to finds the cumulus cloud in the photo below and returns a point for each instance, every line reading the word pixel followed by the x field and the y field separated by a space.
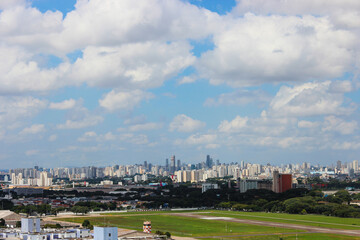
pixel 64 105
pixel 308 124
pixel 145 127
pixel 309 99
pixel 198 139
pixel 187 79
pixel 138 139
pixel 21 73
pixel 15 110
pixel 132 65
pixel 31 152
pixel 52 138
pixel 253 50
pixel 183 123
pixel 239 97
pixel 235 125
pixel 33 129
pixel 123 100
pixel 342 13
pixel 87 136
pixel 333 123
pixel 81 123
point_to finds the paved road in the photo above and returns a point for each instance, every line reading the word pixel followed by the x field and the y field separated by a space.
pixel 275 224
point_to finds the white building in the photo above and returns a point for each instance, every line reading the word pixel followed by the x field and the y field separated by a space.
pixel 30 225
pixel 207 186
pixel 105 233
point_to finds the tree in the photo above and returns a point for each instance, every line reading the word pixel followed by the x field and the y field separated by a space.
pixel 18 224
pixel 2 222
pixel 344 196
pixel 86 223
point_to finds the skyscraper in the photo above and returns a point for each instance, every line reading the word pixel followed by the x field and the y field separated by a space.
pixel 167 164
pixel 209 161
pixel 172 164
pixel 356 166
pixel 178 164
pixel 338 165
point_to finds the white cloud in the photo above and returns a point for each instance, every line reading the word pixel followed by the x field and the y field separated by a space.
pixel 87 121
pixel 109 137
pixel 32 152
pixel 128 21
pixel 346 145
pixel 33 129
pixel 198 139
pixel 212 146
pixel 21 73
pixel 235 125
pixel 123 100
pixel 5 4
pixel 183 123
pixel 187 79
pixel 64 105
pixel 145 127
pixel 87 136
pixel 307 124
pixel 342 13
pixel 15 109
pixel 52 138
pixel 309 99
pixel 332 123
pixel 132 65
pixel 239 97
pixel 140 139
pixel 253 50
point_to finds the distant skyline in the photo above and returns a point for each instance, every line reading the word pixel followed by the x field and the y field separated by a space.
pixel 93 82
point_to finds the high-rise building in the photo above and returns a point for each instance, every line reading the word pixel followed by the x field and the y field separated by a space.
pixel 281 182
pixel 209 161
pixel 172 164
pixel 167 164
pixel 146 165
pixel 338 165
pixel 178 164
pixel 356 166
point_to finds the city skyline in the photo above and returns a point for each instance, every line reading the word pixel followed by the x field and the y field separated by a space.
pixel 98 83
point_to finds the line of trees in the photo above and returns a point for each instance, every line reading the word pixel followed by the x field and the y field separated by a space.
pixel 313 202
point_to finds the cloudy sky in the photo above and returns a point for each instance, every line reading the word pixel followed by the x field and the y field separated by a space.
pixel 94 82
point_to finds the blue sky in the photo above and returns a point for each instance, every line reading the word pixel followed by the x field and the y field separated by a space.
pixel 120 82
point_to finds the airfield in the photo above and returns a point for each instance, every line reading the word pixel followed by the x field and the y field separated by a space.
pixel 215 224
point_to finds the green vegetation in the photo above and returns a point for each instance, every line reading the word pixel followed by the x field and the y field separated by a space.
pixel 308 220
pixel 86 224
pixel 181 226
pixel 308 202
pixel 147 212
pixel 307 236
pixel 52 226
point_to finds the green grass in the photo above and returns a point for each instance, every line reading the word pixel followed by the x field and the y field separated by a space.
pixel 310 236
pixel 308 220
pixel 146 212
pixel 181 226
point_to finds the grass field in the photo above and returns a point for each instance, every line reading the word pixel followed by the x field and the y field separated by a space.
pixel 147 212
pixel 182 226
pixel 310 236
pixel 308 220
